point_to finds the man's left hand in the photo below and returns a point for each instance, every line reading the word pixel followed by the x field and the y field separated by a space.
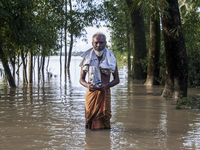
pixel 103 87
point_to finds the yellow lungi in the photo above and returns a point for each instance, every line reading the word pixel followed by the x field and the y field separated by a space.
pixel 98 109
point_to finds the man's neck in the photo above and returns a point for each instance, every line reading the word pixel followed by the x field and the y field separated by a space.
pixel 99 58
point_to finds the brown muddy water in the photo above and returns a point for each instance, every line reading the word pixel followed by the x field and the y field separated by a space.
pixel 50 115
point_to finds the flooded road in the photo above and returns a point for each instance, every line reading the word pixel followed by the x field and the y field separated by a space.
pixel 50 115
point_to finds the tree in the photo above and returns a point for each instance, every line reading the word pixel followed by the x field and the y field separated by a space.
pixel 176 57
pixel 79 18
pixel 65 29
pixel 189 11
pixel 24 25
pixel 117 14
pixel 154 50
pixel 6 68
pixel 140 51
pixel 30 67
pixel 24 66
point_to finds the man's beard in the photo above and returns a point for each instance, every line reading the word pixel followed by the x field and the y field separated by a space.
pixel 98 53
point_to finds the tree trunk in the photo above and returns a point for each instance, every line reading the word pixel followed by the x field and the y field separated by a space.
pixel 61 54
pixel 154 51
pixel 13 60
pixel 18 66
pixel 176 56
pixel 47 67
pixel 65 38
pixel 139 41
pixel 43 63
pixel 6 68
pixel 65 50
pixel 34 61
pixel 14 68
pixel 24 68
pixel 71 36
pixel 128 52
pixel 38 63
pixel 70 52
pixel 30 67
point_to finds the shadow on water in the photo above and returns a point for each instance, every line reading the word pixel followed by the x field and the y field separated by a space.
pixel 50 114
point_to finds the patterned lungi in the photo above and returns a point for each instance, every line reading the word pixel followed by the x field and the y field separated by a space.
pixel 98 109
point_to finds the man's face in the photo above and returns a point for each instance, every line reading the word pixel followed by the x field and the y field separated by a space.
pixel 99 43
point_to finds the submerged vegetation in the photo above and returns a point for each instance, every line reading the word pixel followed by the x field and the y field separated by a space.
pixel 191 102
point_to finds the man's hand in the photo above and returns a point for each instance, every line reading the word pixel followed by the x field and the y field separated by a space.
pixel 92 87
pixel 102 87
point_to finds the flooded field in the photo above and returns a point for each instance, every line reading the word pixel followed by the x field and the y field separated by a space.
pixel 50 115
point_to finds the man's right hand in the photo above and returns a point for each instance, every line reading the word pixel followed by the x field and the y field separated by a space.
pixel 92 87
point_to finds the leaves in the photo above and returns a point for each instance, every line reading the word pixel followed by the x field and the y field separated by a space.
pixel 190 15
pixel 175 31
pixel 116 13
pixel 34 23
pixel 192 102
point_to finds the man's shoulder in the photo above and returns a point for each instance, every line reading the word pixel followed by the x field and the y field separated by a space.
pixel 110 52
pixel 86 53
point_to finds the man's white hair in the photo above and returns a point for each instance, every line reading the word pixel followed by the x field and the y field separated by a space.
pixel 99 33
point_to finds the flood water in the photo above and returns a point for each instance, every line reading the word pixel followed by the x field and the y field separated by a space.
pixel 50 115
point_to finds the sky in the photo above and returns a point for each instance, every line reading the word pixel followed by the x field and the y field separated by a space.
pixel 83 46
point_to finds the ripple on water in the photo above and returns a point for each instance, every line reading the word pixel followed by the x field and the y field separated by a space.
pixel 192 138
pixel 51 115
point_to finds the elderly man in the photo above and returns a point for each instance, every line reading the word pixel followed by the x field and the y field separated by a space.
pixel 99 62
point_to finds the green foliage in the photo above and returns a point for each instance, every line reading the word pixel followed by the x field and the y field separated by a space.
pixel 118 17
pixel 194 67
pixel 189 10
pixel 120 57
pixel 144 63
pixel 27 24
pixel 116 13
pixel 78 18
pixel 167 96
pixel 192 102
pixel 149 6
pixel 35 25
pixel 120 24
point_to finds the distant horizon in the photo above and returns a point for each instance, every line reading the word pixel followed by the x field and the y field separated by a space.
pixel 80 45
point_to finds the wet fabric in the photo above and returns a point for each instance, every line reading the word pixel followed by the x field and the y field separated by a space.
pixel 98 109
pixel 90 64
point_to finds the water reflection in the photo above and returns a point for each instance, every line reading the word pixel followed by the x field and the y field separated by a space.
pixel 97 140
pixel 50 115
pixel 162 132
pixel 191 140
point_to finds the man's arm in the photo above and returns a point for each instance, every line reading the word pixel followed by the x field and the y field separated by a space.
pixel 84 83
pixel 114 82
